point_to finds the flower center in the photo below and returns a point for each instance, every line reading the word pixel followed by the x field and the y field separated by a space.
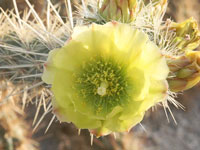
pixel 103 83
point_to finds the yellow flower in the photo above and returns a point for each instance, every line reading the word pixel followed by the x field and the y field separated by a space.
pixel 187 34
pixel 106 77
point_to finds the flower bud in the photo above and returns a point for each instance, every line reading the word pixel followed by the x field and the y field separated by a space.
pixel 119 10
pixel 185 71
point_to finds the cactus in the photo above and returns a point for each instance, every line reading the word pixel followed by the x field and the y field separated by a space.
pixel 14 131
pixel 26 39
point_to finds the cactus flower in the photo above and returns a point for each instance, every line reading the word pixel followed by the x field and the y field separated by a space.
pixel 185 71
pixel 119 10
pixel 106 77
pixel 187 34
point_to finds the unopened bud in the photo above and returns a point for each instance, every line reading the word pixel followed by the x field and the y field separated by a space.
pixel 119 10
pixel 185 71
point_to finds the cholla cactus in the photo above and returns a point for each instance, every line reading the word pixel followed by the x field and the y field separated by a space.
pixel 147 38
pixel 16 135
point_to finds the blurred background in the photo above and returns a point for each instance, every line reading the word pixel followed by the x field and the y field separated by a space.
pixel 155 133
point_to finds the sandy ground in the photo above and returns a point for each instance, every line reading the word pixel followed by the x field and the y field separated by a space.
pixel 168 136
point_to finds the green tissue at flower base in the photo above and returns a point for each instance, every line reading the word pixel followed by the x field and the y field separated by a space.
pixel 106 77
